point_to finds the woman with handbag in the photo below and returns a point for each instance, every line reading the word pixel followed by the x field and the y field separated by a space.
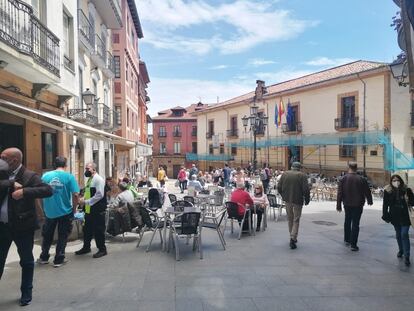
pixel 398 198
pixel 260 200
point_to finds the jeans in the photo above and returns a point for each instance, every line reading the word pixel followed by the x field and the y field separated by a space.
pixel 24 244
pixel 294 212
pixel 94 228
pixel 403 239
pixel 64 225
pixel 351 225
pixel 183 185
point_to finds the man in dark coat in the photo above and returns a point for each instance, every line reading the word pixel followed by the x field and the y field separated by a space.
pixel 353 189
pixel 18 220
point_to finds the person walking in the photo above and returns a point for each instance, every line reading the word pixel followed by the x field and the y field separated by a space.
pixel 353 190
pixel 294 188
pixel 193 170
pixel 59 210
pixel 182 179
pixel 397 198
pixel 161 176
pixel 18 218
pixel 94 202
pixel 226 175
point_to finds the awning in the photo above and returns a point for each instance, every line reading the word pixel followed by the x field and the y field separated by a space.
pixel 71 126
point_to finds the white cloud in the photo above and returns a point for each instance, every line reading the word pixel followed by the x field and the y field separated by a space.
pixel 257 62
pixel 219 67
pixel 329 62
pixel 251 23
pixel 281 75
pixel 167 93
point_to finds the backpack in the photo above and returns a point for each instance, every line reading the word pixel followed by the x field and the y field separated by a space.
pixel 263 174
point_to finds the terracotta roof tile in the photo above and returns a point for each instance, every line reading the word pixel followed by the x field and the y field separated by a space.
pixel 167 114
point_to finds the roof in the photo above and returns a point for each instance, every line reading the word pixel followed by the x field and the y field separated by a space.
pixel 135 18
pixel 168 114
pixel 308 80
pixel 144 72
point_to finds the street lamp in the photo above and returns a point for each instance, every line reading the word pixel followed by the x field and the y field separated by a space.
pixel 258 124
pixel 399 70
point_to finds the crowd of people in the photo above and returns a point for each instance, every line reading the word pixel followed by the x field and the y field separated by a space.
pixel 62 197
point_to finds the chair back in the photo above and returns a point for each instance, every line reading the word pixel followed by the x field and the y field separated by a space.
pixel 191 191
pixel 189 223
pixel 154 198
pixel 189 199
pixel 232 209
pixel 180 205
pixel 172 197
pixel 212 188
pixel 143 190
pixel 218 197
pixel 204 192
pixel 272 200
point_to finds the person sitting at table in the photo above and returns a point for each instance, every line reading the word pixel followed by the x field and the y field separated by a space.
pixel 243 199
pixel 201 178
pixel 195 183
pixel 144 182
pixel 125 196
pixel 260 200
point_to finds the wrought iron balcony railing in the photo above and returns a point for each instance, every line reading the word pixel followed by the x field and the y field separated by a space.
pixel 110 62
pixel 100 48
pixel 85 28
pixel 24 32
pixel 104 116
pixel 346 123
pixel 177 134
pixel 233 133
pixel 116 120
pixel 209 135
pixel 295 127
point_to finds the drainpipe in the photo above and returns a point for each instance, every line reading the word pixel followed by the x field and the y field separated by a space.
pixel 364 147
pixel 225 132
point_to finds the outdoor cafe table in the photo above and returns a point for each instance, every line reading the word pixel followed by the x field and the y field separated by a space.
pixel 170 213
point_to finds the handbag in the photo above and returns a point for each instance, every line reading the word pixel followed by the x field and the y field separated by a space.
pixel 410 211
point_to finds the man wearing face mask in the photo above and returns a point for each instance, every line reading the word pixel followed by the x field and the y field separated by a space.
pixel 353 189
pixel 94 202
pixel 18 220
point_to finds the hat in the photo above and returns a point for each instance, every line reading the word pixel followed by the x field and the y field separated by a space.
pixel 296 165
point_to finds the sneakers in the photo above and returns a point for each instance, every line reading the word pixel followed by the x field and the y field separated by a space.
pixel 354 248
pixel 83 251
pixel 26 298
pixel 59 263
pixel 347 244
pixel 292 244
pixel 100 254
pixel 41 261
pixel 407 261
pixel 399 254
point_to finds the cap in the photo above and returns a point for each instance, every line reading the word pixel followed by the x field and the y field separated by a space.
pixel 296 165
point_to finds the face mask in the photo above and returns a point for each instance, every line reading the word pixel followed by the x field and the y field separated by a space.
pixel 88 174
pixel 396 184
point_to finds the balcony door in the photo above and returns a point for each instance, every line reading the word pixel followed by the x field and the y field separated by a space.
pixel 348 112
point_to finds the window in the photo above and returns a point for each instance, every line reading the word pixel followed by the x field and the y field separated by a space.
pixel 126 71
pixel 177 131
pixel 233 150
pixel 210 149
pixel 177 148
pixel 194 131
pixel 163 148
pixel 178 113
pixel 194 147
pixel 132 36
pixel 115 38
pixel 373 153
pixel 127 117
pixel 233 123
pixel 293 122
pixel 117 62
pixel 348 112
pixel 132 81
pixel 163 132
pixel 49 150
pixel 39 9
pixel 67 41
pixel 347 148
pixel 211 127
pixel 118 111
pixel 221 148
pixel 117 87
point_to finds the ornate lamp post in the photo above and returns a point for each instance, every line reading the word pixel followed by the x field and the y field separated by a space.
pixel 258 124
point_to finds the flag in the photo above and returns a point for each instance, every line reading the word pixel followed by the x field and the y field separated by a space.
pixel 281 112
pixel 289 115
pixel 276 116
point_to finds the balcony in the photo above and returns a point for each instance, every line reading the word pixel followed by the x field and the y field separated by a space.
pixel 104 116
pixel 177 134
pixel 346 123
pixel 162 134
pixel 116 120
pixel 98 55
pixel 110 11
pixel 109 69
pixel 22 31
pixel 193 133
pixel 209 135
pixel 293 128
pixel 80 114
pixel 233 133
pixel 86 33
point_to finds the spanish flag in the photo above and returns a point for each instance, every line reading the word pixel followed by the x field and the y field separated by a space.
pixel 281 112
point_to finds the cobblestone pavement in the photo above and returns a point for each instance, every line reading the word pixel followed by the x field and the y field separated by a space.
pixel 255 273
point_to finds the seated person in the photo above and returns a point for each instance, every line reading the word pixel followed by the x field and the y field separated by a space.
pixel 195 183
pixel 130 187
pixel 261 202
pixel 144 182
pixel 124 197
pixel 243 199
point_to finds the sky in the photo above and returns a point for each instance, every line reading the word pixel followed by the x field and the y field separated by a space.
pixel 213 50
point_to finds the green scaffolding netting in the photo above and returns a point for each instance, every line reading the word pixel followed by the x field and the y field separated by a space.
pixel 394 159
